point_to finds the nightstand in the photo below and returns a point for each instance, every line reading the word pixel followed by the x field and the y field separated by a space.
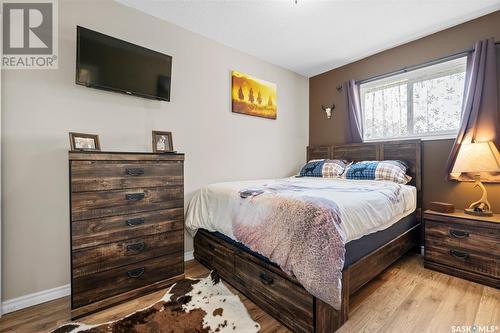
pixel 463 245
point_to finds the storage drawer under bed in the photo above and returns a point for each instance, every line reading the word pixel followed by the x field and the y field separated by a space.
pixel 276 294
pixel 215 255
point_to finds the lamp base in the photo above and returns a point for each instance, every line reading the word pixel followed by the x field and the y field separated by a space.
pixel 481 207
pixel 478 212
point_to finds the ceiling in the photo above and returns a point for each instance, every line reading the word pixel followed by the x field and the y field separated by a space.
pixel 312 36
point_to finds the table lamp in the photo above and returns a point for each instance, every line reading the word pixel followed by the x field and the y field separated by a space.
pixel 475 158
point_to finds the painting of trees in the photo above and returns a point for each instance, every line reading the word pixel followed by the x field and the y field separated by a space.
pixel 253 96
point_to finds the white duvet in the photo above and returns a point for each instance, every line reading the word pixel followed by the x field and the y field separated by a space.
pixel 364 205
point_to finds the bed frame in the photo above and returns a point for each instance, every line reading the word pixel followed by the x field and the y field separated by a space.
pixel 281 295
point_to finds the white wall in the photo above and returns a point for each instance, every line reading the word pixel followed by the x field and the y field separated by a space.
pixel 40 107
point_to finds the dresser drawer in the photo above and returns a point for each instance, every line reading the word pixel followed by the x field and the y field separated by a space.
pixel 276 294
pixel 88 205
pixel 111 175
pixel 93 232
pixel 464 259
pixel 474 238
pixel 92 288
pixel 96 259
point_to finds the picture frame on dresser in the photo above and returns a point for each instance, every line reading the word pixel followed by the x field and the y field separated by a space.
pixel 162 142
pixel 126 224
pixel 83 141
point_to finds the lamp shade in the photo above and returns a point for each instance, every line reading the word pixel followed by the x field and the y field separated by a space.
pixel 477 157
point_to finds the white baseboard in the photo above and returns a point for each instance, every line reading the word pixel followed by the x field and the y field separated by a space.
pixel 43 296
pixel 188 255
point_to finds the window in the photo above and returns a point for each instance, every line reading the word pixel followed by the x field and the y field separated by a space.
pixel 423 103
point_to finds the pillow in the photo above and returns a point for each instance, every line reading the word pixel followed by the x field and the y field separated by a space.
pixel 333 168
pixel 391 170
pixel 323 168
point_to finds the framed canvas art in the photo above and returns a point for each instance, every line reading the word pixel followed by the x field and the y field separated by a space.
pixel 253 96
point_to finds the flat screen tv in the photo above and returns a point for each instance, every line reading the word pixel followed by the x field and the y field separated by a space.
pixel 108 63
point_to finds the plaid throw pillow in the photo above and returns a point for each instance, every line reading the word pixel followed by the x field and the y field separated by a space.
pixel 362 170
pixel 323 168
pixel 394 171
pixel 333 168
pixel 312 169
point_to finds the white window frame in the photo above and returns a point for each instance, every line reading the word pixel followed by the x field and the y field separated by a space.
pixel 448 67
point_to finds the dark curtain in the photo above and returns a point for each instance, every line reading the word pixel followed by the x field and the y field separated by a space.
pixel 480 108
pixel 354 126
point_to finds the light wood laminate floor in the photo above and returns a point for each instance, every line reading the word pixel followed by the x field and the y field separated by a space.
pixel 404 298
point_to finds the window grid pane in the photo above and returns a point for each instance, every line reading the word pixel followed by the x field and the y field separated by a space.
pixel 437 103
pixel 385 112
pixel 422 103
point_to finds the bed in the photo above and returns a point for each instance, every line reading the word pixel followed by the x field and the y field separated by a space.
pixel 367 253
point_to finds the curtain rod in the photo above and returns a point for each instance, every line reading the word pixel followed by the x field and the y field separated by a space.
pixel 414 67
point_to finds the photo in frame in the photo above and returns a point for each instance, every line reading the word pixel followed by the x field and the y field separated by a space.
pixel 83 141
pixel 162 142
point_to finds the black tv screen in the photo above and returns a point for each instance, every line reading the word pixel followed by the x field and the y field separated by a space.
pixel 109 63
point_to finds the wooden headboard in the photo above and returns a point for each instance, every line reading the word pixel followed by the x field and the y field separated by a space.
pixel 409 151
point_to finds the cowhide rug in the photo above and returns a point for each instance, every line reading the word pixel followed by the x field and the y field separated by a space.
pixel 190 305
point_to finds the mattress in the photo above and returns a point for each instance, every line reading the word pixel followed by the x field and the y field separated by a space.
pixel 355 249
pixel 366 206
pixel 302 224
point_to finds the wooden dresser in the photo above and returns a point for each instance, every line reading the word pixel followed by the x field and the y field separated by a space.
pixel 463 245
pixel 127 226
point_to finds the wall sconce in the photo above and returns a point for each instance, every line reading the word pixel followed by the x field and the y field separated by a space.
pixel 328 110
pixel 339 88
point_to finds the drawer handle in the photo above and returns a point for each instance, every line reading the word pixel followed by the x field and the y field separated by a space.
pixel 211 247
pixel 266 279
pixel 134 171
pixel 134 196
pixel 135 222
pixel 458 233
pixel 136 247
pixel 135 273
pixel 459 254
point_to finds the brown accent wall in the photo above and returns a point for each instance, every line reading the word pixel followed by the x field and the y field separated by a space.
pixel 322 91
